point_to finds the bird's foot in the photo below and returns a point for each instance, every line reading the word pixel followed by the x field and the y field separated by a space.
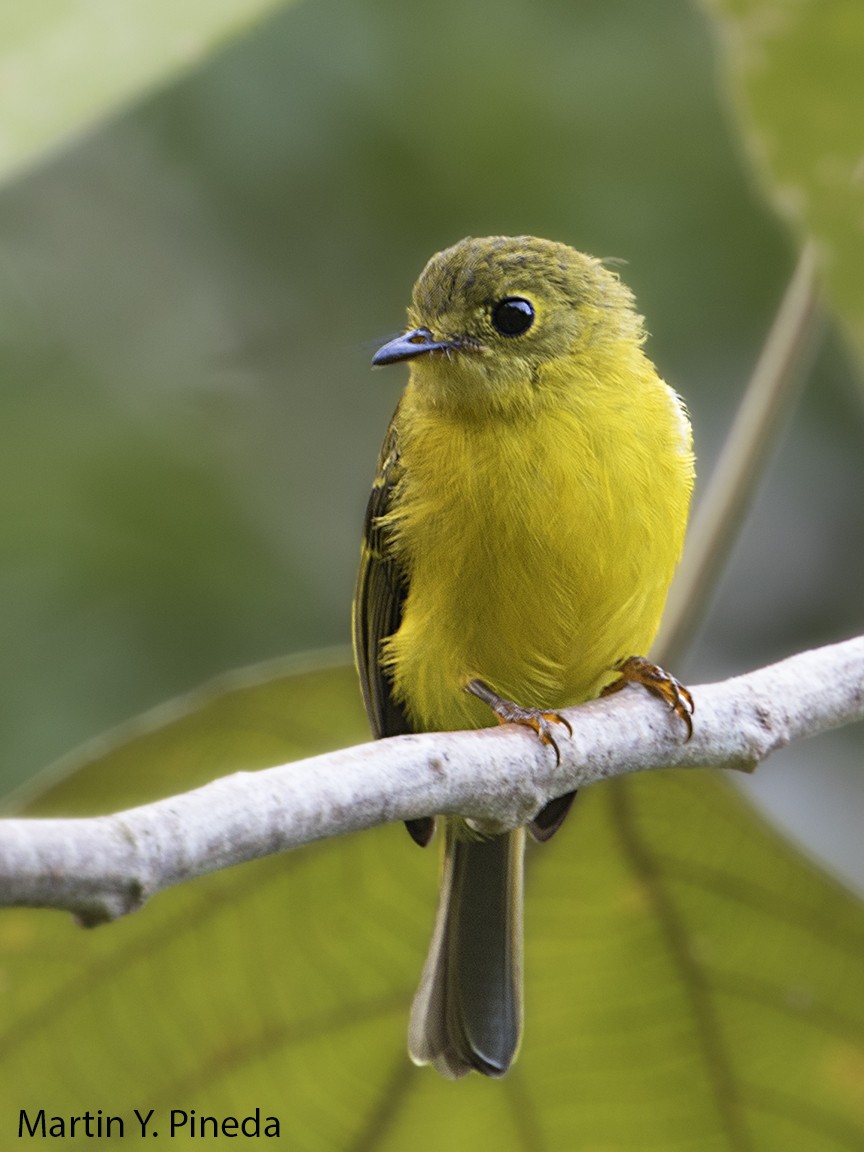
pixel 638 670
pixel 507 712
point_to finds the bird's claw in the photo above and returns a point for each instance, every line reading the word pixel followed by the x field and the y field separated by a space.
pixel 638 670
pixel 508 712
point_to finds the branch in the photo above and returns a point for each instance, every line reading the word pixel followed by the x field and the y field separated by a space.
pixel 102 867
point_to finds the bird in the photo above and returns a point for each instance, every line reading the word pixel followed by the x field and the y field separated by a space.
pixel 527 515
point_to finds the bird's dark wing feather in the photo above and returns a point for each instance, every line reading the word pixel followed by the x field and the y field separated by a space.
pixel 379 598
pixel 382 586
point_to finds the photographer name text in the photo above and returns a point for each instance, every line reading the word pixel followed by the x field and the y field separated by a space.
pixel 176 1122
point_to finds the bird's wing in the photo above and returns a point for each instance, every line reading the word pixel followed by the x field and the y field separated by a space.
pixel 380 594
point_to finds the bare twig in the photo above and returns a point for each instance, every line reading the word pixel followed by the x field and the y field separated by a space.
pixel 770 394
pixel 103 867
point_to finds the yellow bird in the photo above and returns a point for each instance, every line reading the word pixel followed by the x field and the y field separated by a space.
pixel 527 515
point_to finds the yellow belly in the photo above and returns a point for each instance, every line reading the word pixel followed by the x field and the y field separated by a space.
pixel 539 553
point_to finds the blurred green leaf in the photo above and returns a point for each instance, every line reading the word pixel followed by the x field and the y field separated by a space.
pixel 691 981
pixel 798 85
pixel 67 64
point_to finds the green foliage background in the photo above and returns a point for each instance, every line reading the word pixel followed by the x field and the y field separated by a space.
pixel 190 293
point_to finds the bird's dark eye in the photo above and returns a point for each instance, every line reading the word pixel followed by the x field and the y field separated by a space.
pixel 512 316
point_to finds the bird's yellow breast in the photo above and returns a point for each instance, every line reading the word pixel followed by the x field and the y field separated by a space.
pixel 538 543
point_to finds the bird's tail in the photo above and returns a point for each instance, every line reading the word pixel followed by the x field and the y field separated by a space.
pixel 467 1013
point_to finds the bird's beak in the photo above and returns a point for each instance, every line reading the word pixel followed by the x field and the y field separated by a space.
pixel 410 344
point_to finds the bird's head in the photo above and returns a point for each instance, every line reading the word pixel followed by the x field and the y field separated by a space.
pixel 501 321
